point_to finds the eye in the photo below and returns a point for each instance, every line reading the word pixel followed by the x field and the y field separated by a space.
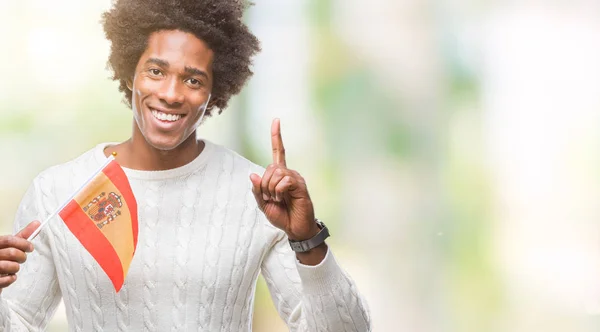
pixel 194 82
pixel 155 72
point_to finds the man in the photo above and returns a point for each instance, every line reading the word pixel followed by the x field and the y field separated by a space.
pixel 208 222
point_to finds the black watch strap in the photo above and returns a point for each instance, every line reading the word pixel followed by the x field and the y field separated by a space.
pixel 306 245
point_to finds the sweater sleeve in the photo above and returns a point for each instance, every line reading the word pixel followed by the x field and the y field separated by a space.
pixel 29 303
pixel 319 298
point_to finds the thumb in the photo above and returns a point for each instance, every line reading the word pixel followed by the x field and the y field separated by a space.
pixel 256 180
pixel 28 230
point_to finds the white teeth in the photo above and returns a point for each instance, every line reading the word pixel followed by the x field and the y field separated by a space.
pixel 166 117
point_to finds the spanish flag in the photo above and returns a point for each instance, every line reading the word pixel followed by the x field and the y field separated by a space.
pixel 103 217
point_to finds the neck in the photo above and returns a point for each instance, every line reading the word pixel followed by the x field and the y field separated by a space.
pixel 136 153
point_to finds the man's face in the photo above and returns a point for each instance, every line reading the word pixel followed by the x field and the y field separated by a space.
pixel 171 88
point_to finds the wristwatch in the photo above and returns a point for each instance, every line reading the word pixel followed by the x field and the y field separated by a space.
pixel 306 245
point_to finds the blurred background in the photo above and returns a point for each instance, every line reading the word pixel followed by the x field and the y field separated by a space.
pixel 452 146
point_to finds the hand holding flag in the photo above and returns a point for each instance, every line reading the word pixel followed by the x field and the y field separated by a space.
pixel 13 249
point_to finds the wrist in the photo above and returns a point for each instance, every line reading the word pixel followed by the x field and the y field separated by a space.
pixel 319 234
pixel 312 231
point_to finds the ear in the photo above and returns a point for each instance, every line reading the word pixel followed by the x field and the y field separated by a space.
pixel 129 84
pixel 211 103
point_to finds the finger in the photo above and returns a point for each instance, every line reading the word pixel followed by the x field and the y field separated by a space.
pixel 9 241
pixel 28 230
pixel 8 267
pixel 284 186
pixel 266 178
pixel 297 188
pixel 256 180
pixel 277 143
pixel 13 254
pixel 7 280
pixel 278 175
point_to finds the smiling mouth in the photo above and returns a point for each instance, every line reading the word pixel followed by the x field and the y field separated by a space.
pixel 165 116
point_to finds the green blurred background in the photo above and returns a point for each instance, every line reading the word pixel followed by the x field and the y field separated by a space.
pixel 453 146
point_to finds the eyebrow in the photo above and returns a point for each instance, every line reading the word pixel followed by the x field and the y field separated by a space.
pixel 195 71
pixel 189 70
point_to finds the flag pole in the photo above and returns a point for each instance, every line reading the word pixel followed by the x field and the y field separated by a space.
pixel 39 229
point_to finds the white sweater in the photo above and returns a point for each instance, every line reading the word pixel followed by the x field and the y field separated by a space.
pixel 202 242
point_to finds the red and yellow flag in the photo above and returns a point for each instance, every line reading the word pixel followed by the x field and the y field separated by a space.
pixel 103 217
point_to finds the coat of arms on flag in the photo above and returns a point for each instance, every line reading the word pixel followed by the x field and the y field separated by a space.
pixel 104 208
pixel 102 215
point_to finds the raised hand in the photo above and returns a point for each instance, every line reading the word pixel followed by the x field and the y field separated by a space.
pixel 282 195
pixel 13 249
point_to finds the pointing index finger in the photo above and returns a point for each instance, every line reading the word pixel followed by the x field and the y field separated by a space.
pixel 277 143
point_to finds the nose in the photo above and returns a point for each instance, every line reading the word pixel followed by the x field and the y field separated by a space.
pixel 170 92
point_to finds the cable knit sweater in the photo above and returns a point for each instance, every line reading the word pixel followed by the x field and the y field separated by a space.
pixel 202 243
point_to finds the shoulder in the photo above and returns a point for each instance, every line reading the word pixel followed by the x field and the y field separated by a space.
pixel 71 172
pixel 83 164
